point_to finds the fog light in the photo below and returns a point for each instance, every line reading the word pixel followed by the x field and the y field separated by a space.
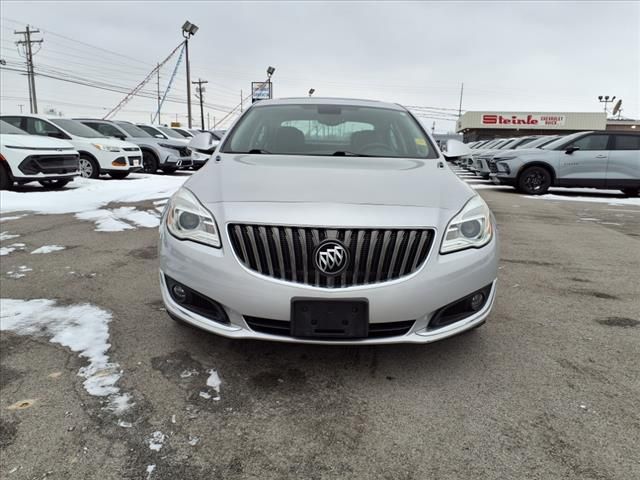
pixel 179 293
pixel 119 162
pixel 477 301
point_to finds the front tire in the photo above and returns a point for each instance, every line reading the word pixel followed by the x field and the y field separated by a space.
pixel 534 181
pixel 5 179
pixel 149 162
pixel 631 192
pixel 88 167
pixel 119 175
pixel 54 184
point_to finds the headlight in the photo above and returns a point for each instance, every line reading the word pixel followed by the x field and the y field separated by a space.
pixel 504 167
pixel 167 145
pixel 105 148
pixel 471 228
pixel 188 219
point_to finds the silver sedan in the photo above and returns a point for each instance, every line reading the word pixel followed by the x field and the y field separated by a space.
pixel 328 221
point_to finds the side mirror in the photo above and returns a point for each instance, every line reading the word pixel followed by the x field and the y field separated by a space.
pixel 159 135
pixel 59 135
pixel 571 149
pixel 203 142
pixel 455 148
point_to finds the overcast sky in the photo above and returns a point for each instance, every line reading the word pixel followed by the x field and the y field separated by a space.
pixel 536 56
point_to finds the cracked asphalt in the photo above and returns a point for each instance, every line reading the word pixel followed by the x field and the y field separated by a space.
pixel 548 388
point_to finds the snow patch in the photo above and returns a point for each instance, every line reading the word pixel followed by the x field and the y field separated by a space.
pixel 82 328
pixel 156 440
pixel 11 248
pixel 602 199
pixel 14 217
pixel 7 236
pixel 214 382
pixel 150 469
pixel 48 249
pixel 119 219
pixel 84 194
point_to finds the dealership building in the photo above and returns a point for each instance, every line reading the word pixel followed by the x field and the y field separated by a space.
pixel 487 125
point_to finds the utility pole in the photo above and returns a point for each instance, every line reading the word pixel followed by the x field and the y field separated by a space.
pixel 158 85
pixel 188 30
pixel 240 101
pixel 21 105
pixel 200 95
pixel 27 42
pixel 208 122
pixel 460 106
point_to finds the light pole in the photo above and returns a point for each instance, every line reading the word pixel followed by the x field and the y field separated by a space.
pixel 311 91
pixel 270 71
pixel 606 101
pixel 188 30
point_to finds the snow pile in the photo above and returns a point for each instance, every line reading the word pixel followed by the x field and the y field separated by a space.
pixel 48 249
pixel 83 329
pixel 83 194
pixel 116 220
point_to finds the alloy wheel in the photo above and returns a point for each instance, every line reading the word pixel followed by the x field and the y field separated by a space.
pixel 85 167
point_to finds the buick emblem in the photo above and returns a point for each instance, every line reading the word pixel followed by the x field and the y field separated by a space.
pixel 331 257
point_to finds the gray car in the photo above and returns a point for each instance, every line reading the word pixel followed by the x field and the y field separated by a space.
pixel 587 159
pixel 167 155
pixel 328 221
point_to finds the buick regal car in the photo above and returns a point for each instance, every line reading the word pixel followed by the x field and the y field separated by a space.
pixel 328 221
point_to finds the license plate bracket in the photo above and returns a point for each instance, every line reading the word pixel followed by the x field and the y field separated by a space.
pixel 329 319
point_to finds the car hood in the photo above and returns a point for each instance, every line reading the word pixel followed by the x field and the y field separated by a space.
pixel 34 141
pixel 330 180
pixel 522 151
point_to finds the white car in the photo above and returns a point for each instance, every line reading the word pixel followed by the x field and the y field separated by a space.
pixel 98 154
pixel 163 133
pixel 26 158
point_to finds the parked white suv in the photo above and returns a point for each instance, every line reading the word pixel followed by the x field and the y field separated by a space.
pixel 98 154
pixel 26 158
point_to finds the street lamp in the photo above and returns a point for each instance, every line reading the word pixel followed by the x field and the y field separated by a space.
pixel 270 71
pixel 188 30
pixel 605 99
pixel 311 91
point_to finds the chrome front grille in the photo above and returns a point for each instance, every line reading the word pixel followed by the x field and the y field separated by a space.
pixel 287 253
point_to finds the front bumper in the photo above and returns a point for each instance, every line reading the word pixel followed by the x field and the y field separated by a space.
pixel 503 179
pixel 217 274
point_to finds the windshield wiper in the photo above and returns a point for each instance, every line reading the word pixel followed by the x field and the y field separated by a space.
pixel 258 151
pixel 344 153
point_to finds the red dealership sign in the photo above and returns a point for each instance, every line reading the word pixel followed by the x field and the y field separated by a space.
pixel 523 119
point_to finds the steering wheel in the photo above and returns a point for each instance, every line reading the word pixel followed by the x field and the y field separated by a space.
pixel 372 146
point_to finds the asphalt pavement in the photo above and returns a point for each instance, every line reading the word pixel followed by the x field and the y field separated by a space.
pixel 547 389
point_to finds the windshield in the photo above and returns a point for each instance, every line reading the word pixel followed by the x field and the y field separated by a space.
pixel 75 128
pixel 170 132
pixel 133 130
pixel 538 142
pixel 183 133
pixel 560 142
pixel 326 129
pixel 152 131
pixel 9 129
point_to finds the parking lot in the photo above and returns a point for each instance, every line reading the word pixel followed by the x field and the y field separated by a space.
pixel 547 388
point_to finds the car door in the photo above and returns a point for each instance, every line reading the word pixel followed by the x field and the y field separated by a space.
pixel 37 126
pixel 624 162
pixel 583 162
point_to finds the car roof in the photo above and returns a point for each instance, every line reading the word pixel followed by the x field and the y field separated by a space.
pixel 353 102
